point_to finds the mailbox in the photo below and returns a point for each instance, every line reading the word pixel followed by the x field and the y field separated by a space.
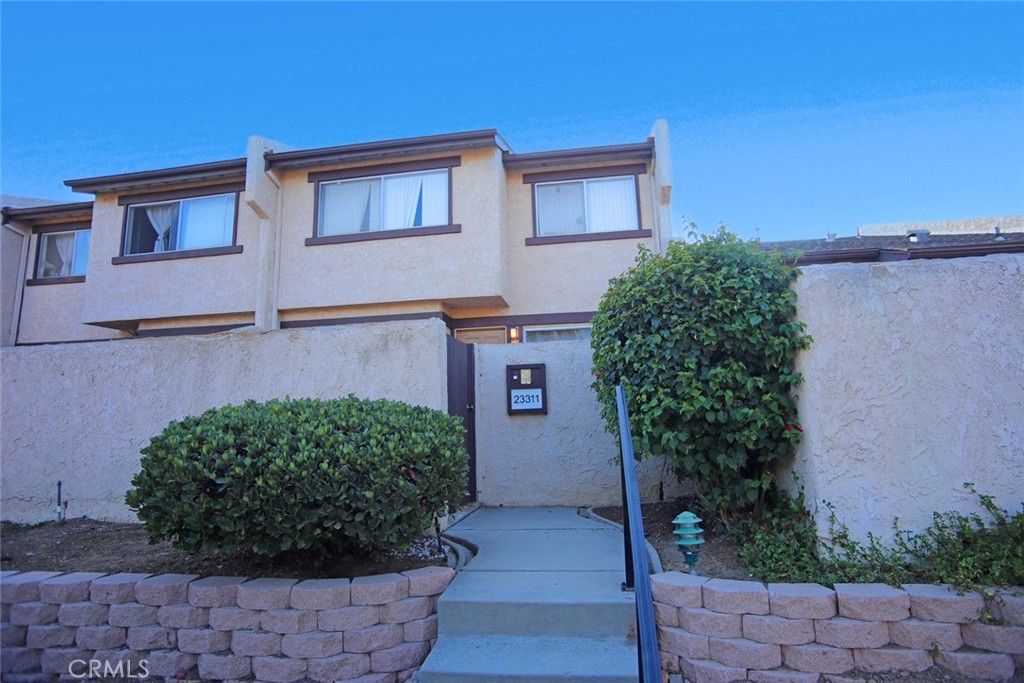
pixel 526 389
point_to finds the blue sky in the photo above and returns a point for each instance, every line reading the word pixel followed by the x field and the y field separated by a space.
pixel 787 120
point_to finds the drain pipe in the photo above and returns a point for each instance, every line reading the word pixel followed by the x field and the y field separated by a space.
pixel 60 514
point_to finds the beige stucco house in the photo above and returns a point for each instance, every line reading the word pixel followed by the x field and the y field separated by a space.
pixel 500 246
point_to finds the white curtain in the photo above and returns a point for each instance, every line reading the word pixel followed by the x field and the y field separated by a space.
pixel 81 258
pixel 401 197
pixel 206 222
pixel 560 209
pixel 351 206
pixel 435 199
pixel 161 217
pixel 65 244
pixel 611 204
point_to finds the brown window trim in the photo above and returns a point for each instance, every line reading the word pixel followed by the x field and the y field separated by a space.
pixel 385 169
pixel 61 227
pixel 584 173
pixel 444 163
pixel 65 280
pixel 49 230
pixel 177 195
pixel 588 237
pixel 383 235
pixel 635 170
pixel 188 193
pixel 176 254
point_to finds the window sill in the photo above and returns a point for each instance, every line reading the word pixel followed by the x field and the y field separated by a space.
pixel 65 280
pixel 383 235
pixel 588 237
pixel 182 253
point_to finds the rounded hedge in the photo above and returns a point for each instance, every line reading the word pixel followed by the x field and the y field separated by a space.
pixel 327 476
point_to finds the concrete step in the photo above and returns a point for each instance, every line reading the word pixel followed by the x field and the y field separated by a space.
pixel 538 603
pixel 508 659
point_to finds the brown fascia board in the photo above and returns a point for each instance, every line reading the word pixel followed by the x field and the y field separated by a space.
pixel 963 250
pixel 642 151
pixel 196 173
pixel 323 156
pixel 57 212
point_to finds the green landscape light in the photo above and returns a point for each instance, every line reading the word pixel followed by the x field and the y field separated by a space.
pixel 690 538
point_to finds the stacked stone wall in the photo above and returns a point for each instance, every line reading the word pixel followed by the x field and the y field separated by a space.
pixel 175 627
pixel 720 631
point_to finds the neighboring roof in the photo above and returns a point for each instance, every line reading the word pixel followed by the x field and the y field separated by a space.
pixel 230 169
pixel 48 212
pixel 15 202
pixel 898 248
pixel 951 227
pixel 429 144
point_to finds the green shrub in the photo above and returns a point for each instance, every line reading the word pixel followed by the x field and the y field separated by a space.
pixel 704 341
pixel 964 550
pixel 326 476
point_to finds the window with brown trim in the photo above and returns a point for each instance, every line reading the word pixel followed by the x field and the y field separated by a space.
pixel 178 224
pixel 62 256
pixel 587 204
pixel 379 202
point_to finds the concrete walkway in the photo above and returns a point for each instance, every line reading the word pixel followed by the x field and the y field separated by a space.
pixel 541 601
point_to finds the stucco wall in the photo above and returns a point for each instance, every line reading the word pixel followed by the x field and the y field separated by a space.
pixel 80 413
pixel 914 385
pixel 563 458
pixel 53 313
pixel 568 277
pixel 170 288
pixel 445 267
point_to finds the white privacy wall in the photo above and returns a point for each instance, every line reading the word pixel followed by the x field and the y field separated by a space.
pixel 80 413
pixel 914 385
pixel 563 458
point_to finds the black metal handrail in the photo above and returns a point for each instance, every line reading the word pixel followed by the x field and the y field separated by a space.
pixel 638 575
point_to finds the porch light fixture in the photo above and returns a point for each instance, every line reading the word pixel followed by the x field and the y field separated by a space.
pixel 690 538
pixel 513 335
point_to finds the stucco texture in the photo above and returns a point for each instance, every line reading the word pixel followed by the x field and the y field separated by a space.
pixel 449 267
pixel 171 288
pixel 913 386
pixel 80 413
pixel 563 458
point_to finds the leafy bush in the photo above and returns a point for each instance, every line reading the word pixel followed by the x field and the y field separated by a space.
pixel 704 341
pixel 325 476
pixel 964 550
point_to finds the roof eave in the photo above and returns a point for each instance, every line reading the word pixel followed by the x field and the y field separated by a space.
pixel 214 171
pixel 56 212
pixel 642 151
pixel 385 149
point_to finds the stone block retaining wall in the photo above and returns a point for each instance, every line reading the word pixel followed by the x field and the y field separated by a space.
pixel 374 629
pixel 720 631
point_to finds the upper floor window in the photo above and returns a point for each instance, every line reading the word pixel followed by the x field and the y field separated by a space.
pixel 384 201
pixel 63 254
pixel 193 223
pixel 387 202
pixel 589 205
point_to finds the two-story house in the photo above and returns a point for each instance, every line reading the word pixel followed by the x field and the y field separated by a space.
pixel 503 247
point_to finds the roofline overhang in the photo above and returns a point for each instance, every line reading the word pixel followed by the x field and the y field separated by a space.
pixel 367 151
pixel 56 212
pixel 214 171
pixel 641 151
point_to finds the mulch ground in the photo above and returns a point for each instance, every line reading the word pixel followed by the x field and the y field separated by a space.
pixel 88 545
